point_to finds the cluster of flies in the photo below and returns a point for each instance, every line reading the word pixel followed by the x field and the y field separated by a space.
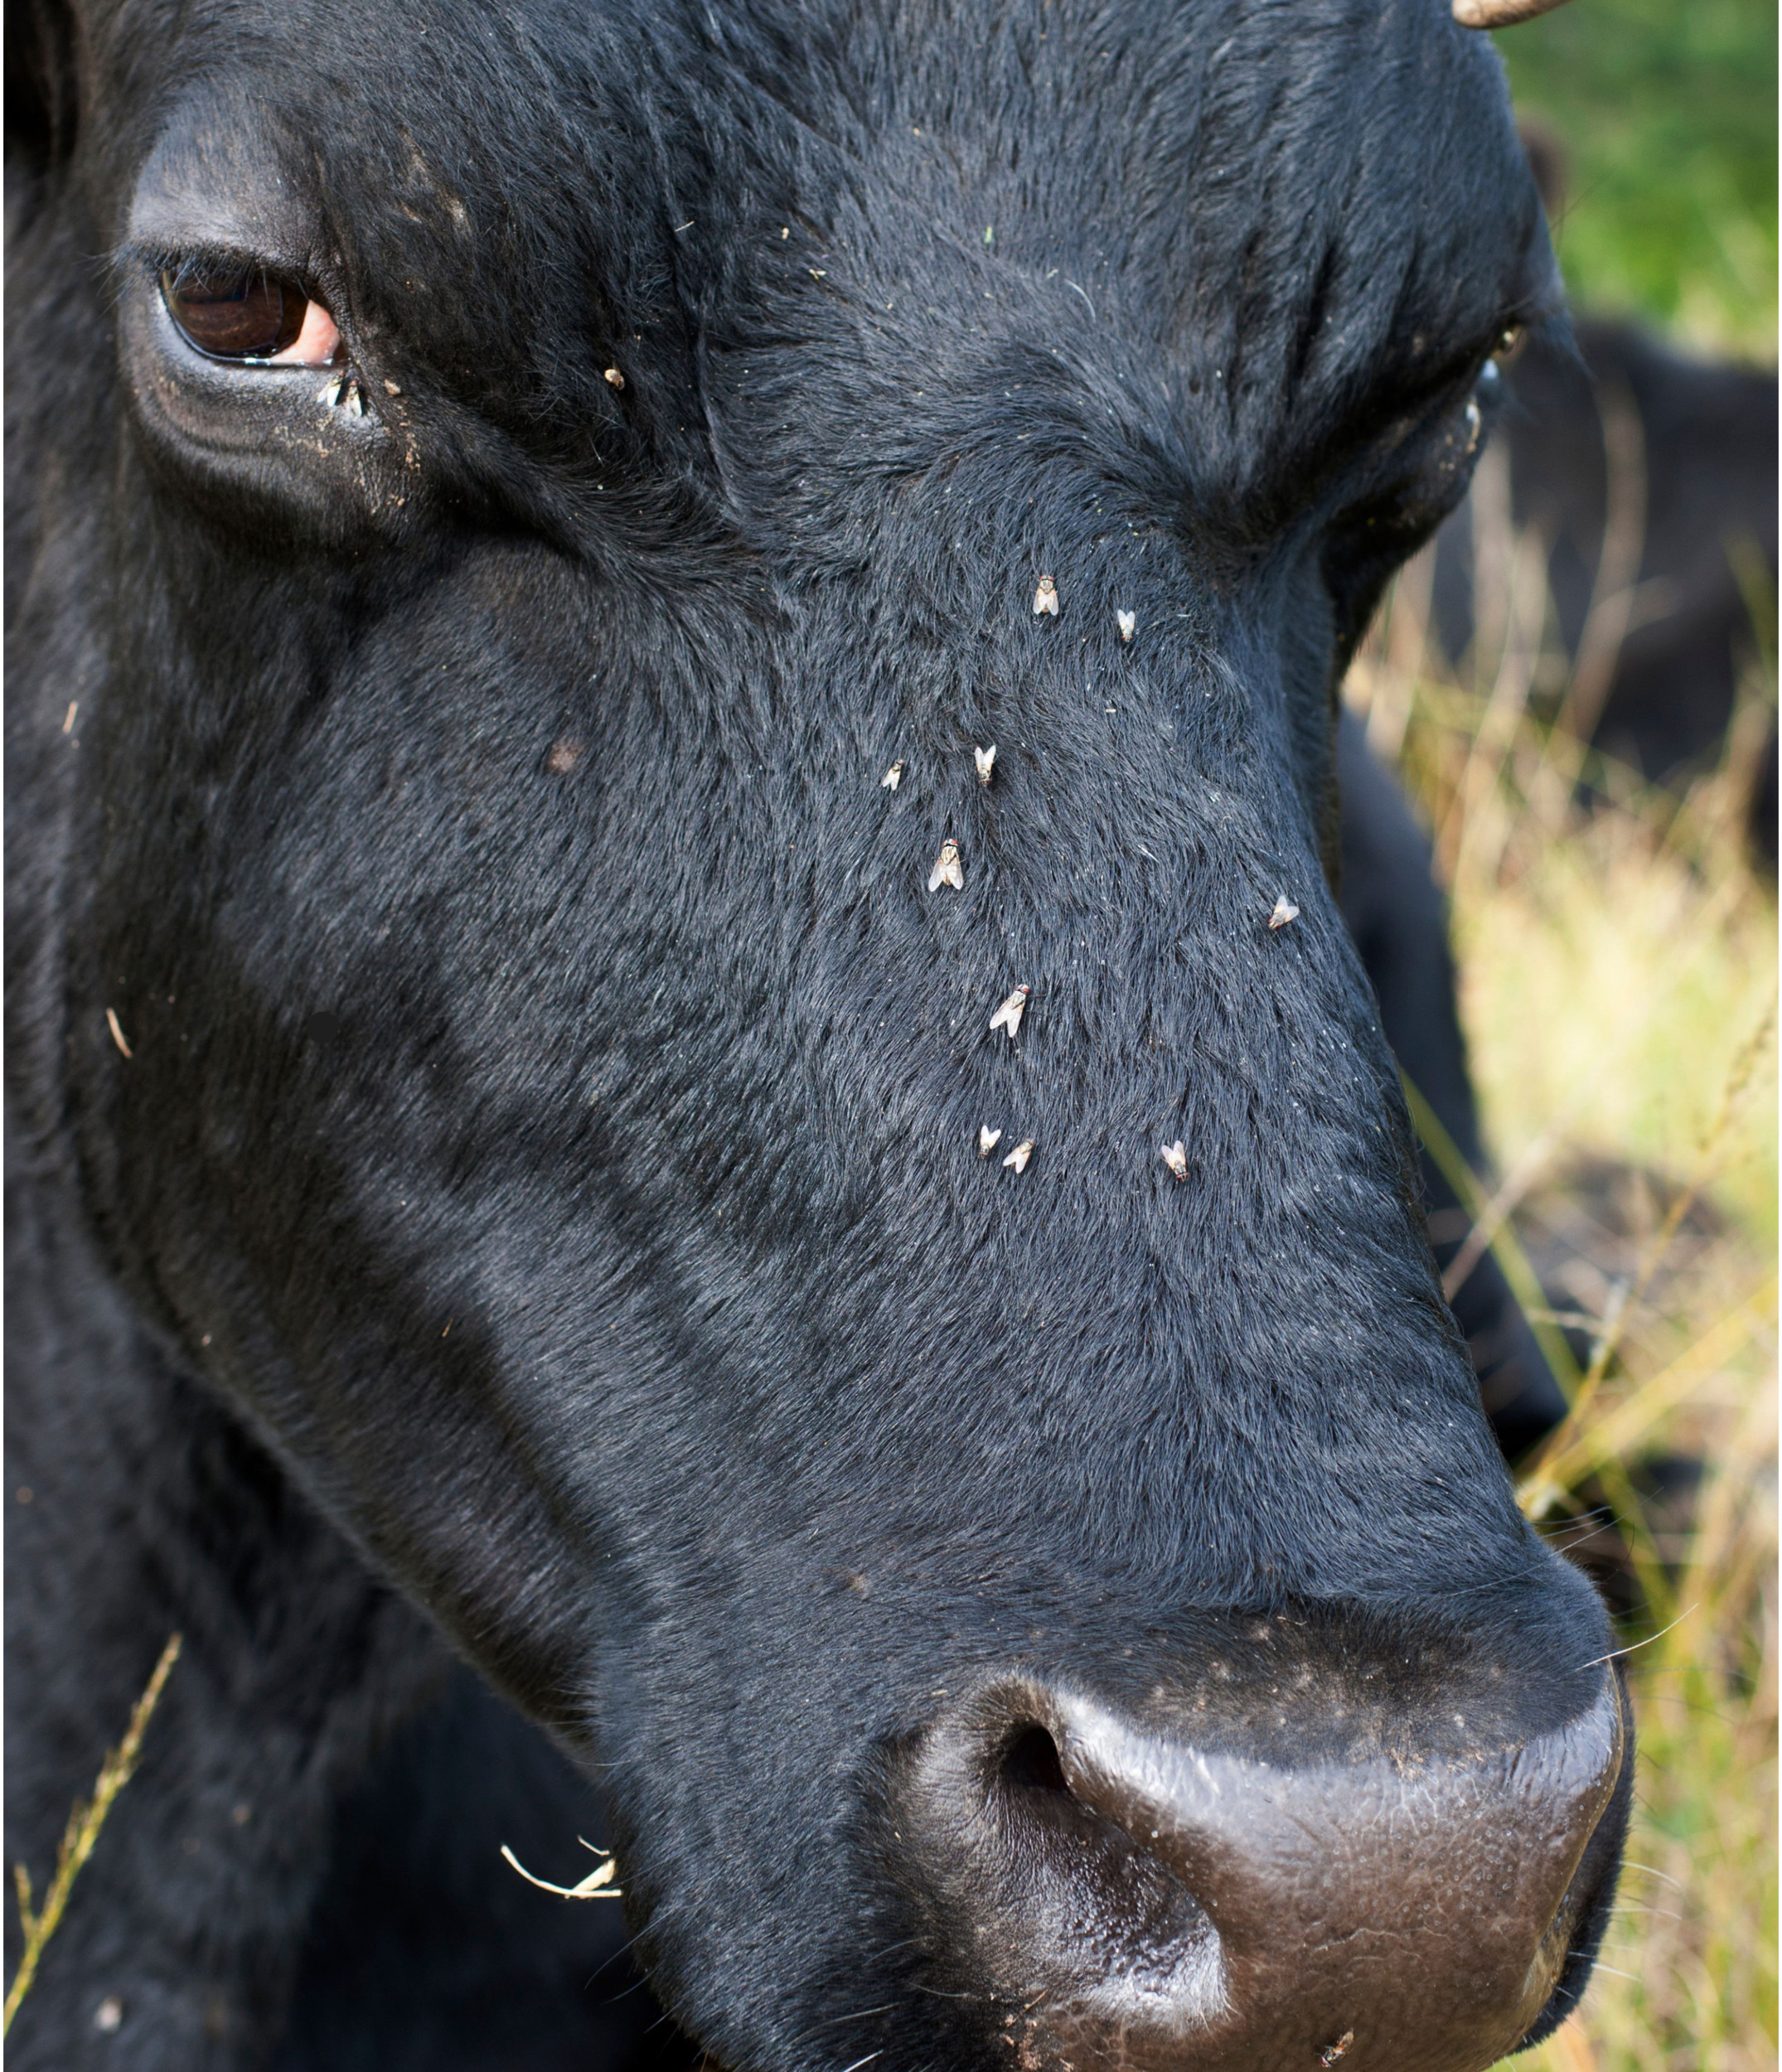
pixel 948 870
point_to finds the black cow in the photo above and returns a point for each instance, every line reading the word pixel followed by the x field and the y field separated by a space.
pixel 875 1290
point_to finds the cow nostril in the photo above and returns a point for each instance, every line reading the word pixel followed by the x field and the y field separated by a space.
pixel 1223 1887
pixel 1035 1872
pixel 1031 1761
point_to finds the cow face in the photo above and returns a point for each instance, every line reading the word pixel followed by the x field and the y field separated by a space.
pixel 873 1286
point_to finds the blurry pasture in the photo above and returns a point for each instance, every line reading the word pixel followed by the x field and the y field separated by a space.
pixel 1618 952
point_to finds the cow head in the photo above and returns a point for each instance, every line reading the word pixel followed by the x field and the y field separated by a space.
pixel 535 521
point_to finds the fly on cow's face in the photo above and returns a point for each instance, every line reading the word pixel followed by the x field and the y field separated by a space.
pixel 1046 599
pixel 343 393
pixel 985 759
pixel 1009 1015
pixel 988 1140
pixel 1285 911
pixel 892 778
pixel 947 868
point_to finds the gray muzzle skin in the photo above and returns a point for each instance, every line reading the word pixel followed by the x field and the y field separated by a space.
pixel 1306 1868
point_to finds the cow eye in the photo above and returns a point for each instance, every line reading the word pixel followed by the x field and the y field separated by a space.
pixel 237 311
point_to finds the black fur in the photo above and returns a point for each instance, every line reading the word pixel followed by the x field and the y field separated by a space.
pixel 543 1187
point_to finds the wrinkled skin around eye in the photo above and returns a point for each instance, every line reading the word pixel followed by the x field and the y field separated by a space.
pixel 1385 528
pixel 247 313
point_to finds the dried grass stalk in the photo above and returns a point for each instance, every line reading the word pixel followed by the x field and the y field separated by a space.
pixel 85 1822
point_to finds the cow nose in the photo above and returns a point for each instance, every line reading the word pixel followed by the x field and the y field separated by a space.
pixel 1162 1886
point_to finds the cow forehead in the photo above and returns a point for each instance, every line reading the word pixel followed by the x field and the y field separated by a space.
pixel 1295 204
pixel 507 197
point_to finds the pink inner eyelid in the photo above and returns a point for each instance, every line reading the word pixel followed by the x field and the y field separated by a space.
pixel 316 345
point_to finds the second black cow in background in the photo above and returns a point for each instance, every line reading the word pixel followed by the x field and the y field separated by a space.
pixel 1651 475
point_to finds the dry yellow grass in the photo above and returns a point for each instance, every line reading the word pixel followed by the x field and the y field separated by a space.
pixel 85 1823
pixel 1620 983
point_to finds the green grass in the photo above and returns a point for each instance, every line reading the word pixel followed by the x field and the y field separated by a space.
pixel 1667 110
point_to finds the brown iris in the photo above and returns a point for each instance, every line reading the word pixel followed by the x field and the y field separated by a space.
pixel 235 312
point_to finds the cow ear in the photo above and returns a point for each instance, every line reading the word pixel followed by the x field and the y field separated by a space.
pixel 42 83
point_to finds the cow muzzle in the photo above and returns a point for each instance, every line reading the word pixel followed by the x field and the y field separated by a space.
pixel 1280 1878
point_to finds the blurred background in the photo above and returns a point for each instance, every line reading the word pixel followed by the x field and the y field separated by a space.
pixel 1576 683
pixel 1668 109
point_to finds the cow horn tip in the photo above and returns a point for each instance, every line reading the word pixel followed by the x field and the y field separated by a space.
pixel 1500 14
